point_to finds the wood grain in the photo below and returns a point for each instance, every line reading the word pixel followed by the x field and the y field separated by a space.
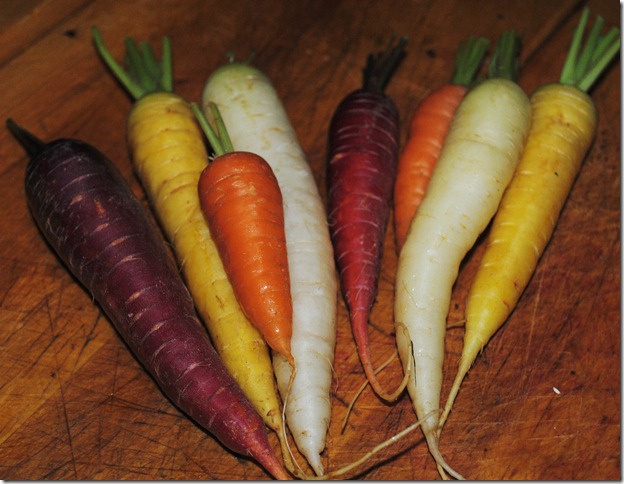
pixel 542 401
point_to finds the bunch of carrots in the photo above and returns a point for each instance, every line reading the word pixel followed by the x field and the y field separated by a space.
pixel 504 157
pixel 258 252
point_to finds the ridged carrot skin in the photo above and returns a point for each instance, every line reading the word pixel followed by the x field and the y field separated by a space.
pixel 160 160
pixel 169 163
pixel 168 154
pixel 477 162
pixel 563 126
pixel 562 129
pixel 426 135
pixel 100 230
pixel 364 137
pixel 363 152
pixel 242 202
pixel 257 121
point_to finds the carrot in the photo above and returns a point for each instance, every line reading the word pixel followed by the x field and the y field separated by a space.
pixel 168 154
pixel 99 229
pixel 242 202
pixel 427 130
pixel 257 122
pixel 563 127
pixel 477 161
pixel 364 137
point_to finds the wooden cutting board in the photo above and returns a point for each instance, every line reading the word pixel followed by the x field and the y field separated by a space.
pixel 542 401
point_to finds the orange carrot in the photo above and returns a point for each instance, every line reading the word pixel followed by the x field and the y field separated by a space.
pixel 242 202
pixel 426 135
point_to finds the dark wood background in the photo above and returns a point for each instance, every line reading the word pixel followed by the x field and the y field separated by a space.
pixel 542 402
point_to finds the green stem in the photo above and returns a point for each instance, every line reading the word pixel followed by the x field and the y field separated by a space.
pixel 149 60
pixel 219 139
pixel 143 74
pixel 609 41
pixel 468 59
pixel 575 45
pixel 590 46
pixel 379 66
pixel 166 66
pixel 504 63
pixel 221 129
pixel 137 64
pixel 585 63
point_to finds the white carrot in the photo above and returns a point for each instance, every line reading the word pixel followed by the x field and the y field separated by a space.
pixel 258 122
pixel 477 162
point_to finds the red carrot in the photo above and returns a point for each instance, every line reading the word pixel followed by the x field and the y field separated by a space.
pixel 99 229
pixel 427 131
pixel 364 141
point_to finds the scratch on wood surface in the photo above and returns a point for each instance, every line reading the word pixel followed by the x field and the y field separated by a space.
pixel 536 309
pixel 58 367
pixel 90 336
pixel 70 442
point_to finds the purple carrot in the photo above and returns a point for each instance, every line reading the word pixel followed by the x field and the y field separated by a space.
pixel 91 218
pixel 364 139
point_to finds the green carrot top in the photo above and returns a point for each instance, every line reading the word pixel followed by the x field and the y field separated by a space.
pixel 218 136
pixel 144 74
pixel 468 60
pixel 505 63
pixel 380 66
pixel 583 65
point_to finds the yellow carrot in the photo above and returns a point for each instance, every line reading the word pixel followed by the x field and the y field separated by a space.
pixel 169 154
pixel 562 129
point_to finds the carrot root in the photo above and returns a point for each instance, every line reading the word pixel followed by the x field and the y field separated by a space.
pixel 379 447
pixel 469 355
pixel 371 375
pixel 289 459
pixel 363 387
